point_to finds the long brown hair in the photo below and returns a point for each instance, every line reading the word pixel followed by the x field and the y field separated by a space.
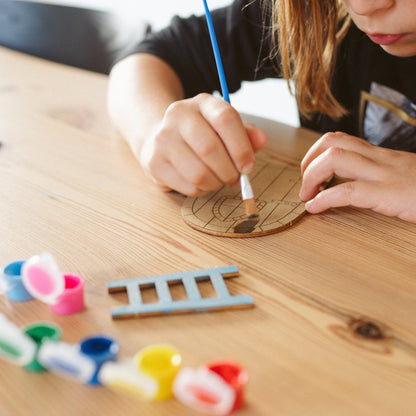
pixel 305 34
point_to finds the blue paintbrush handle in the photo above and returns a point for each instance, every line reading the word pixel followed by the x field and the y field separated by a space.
pixel 217 55
pixel 247 192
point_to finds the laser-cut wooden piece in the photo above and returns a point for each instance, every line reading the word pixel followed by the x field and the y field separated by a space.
pixel 165 304
pixel 276 189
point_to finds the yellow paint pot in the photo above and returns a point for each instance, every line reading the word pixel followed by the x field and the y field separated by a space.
pixel 160 362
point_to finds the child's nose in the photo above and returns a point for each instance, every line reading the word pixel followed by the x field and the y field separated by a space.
pixel 369 7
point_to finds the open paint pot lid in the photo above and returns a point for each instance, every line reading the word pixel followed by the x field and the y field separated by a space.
pixel 15 346
pixel 42 278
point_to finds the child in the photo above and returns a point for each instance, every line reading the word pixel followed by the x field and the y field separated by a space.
pixel 353 64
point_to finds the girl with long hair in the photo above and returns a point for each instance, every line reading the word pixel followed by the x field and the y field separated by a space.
pixel 352 64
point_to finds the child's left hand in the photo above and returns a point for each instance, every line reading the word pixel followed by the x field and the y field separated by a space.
pixel 381 179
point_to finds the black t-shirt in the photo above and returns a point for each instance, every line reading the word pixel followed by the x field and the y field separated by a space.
pixel 378 89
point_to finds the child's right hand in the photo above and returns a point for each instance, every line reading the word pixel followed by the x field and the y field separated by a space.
pixel 200 145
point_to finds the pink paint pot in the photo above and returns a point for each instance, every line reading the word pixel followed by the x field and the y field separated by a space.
pixel 44 281
pixel 72 299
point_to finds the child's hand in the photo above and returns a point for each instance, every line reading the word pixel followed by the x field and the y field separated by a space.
pixel 200 145
pixel 383 180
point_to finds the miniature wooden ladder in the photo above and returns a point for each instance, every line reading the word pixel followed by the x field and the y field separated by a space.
pixel 165 304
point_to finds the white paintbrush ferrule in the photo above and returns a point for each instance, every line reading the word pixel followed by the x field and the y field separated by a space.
pixel 246 189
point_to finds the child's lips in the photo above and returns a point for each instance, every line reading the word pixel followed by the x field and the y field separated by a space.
pixel 385 39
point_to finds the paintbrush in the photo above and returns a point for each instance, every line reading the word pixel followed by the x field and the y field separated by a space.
pixel 250 205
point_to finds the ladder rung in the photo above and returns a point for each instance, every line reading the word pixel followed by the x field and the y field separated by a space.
pixel 163 291
pixel 191 288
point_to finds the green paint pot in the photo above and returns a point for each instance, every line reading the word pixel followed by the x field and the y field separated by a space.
pixel 41 332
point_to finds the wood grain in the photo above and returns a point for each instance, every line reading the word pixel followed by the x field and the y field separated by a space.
pixel 332 331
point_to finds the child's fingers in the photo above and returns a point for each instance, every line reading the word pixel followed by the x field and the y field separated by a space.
pixel 208 147
pixel 201 145
pixel 336 161
pixel 364 194
pixel 192 169
pixel 361 194
pixel 226 121
pixel 381 179
pixel 169 178
pixel 257 137
pixel 171 164
pixel 337 140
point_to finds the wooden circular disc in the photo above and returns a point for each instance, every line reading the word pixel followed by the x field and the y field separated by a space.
pixel 276 189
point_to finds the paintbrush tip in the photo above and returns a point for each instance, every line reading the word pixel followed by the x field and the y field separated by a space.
pixel 250 207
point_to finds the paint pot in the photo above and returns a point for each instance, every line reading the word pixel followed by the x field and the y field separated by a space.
pixel 66 360
pixel 99 349
pixel 160 362
pixel 234 375
pixel 44 281
pixel 203 390
pixel 72 298
pixel 15 289
pixel 40 332
pixel 125 377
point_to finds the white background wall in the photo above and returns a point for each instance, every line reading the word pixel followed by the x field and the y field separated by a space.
pixel 268 98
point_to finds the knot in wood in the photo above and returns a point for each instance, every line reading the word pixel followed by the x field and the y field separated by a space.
pixel 367 329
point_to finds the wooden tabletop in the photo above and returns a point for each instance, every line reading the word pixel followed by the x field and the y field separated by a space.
pixel 333 329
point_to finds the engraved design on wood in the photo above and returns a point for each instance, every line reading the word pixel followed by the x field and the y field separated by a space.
pixel 276 189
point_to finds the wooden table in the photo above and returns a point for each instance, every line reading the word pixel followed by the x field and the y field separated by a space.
pixel 333 329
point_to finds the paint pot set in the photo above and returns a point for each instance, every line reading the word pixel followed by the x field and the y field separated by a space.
pixel 38 347
pixel 40 278
pixel 154 373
